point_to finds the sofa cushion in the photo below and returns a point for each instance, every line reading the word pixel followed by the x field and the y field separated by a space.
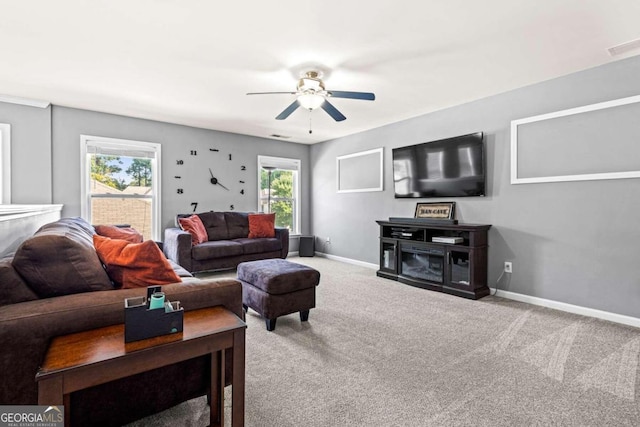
pixel 59 259
pixel 237 224
pixel 258 246
pixel 12 288
pixel 193 225
pixel 215 225
pixel 75 223
pixel 262 225
pixel 216 249
pixel 123 233
pixel 134 265
pixel 181 272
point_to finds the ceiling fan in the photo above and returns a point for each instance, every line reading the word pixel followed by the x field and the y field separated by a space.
pixel 312 94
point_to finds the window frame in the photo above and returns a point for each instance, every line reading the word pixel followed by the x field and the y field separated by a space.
pixel 284 164
pixel 128 148
pixel 5 163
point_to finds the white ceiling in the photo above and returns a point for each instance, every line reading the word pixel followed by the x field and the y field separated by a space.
pixel 191 62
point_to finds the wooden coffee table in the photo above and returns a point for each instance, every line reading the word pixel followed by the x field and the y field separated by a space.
pixel 85 359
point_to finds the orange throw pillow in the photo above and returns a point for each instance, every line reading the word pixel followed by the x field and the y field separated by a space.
pixel 123 233
pixel 262 225
pixel 134 265
pixel 195 227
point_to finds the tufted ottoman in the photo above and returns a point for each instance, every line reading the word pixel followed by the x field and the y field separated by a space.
pixel 275 287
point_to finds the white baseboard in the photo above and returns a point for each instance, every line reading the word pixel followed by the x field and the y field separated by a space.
pixel 570 308
pixel 348 260
pixel 296 253
pixel 562 306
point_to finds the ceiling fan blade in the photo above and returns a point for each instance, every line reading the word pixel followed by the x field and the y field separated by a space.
pixel 287 111
pixel 332 111
pixel 367 96
pixel 271 93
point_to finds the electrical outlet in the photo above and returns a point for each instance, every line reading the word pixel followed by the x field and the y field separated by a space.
pixel 328 240
pixel 508 267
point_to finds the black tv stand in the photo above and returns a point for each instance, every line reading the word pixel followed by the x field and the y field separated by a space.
pixel 439 256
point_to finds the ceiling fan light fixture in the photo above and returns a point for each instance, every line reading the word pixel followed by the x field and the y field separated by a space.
pixel 306 84
pixel 310 101
pixel 311 94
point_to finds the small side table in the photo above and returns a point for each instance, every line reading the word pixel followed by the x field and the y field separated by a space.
pixel 85 359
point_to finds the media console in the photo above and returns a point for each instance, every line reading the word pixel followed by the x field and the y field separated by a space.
pixel 409 254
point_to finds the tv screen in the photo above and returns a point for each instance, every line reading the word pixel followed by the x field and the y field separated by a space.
pixel 452 167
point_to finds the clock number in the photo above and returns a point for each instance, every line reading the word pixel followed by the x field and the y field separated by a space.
pixel 194 152
pixel 180 191
pixel 195 206
pixel 180 162
pixel 241 182
pixel 229 156
pixel 243 168
pixel 242 191
pixel 232 207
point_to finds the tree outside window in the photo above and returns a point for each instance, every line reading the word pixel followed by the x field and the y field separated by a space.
pixel 120 183
pixel 121 191
pixel 283 195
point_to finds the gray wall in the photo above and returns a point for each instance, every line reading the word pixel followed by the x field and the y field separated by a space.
pixel 30 153
pixel 45 160
pixel 573 242
pixel 177 142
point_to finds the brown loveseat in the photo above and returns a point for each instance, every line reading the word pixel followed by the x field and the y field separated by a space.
pixel 228 243
pixel 56 285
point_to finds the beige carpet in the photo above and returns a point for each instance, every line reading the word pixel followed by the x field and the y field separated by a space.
pixel 379 353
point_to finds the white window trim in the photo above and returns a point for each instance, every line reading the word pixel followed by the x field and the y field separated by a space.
pixel 5 162
pixel 284 163
pixel 125 144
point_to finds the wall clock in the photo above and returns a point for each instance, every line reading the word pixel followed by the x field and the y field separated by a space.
pixel 225 177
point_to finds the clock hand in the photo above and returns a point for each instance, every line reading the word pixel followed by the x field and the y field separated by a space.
pixel 213 179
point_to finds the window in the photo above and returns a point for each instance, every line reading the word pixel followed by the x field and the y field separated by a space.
pixel 120 183
pixel 5 164
pixel 279 190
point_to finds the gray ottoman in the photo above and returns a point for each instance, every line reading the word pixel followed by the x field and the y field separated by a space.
pixel 276 287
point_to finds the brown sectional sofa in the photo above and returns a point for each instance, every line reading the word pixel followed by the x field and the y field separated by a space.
pixel 228 243
pixel 75 299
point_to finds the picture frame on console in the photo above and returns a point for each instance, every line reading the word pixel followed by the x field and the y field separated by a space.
pixel 436 210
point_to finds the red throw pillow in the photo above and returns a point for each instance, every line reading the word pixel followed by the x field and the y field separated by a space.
pixel 262 225
pixel 123 233
pixel 134 265
pixel 195 227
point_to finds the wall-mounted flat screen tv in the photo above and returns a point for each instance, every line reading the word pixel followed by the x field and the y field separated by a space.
pixel 452 167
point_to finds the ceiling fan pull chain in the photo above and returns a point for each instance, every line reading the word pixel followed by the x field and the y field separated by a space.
pixel 310 111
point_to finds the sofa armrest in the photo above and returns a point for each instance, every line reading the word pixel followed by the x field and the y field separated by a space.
pixel 283 235
pixel 177 247
pixel 26 328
